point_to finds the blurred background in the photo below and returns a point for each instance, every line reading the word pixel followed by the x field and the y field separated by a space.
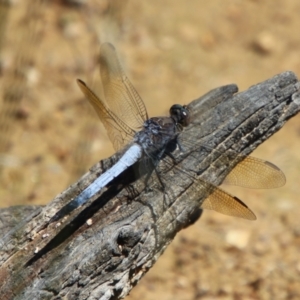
pixel 173 52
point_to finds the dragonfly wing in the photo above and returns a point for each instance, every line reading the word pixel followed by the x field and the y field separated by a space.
pixel 253 172
pixel 121 96
pixel 119 133
pixel 227 204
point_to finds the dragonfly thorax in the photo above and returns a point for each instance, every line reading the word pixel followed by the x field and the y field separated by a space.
pixel 156 134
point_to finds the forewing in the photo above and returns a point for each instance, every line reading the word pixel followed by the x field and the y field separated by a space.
pixel 120 95
pixel 118 132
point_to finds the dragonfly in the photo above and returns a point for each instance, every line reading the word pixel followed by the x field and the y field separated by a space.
pixel 125 119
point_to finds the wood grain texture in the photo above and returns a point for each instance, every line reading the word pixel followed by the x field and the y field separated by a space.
pixel 101 250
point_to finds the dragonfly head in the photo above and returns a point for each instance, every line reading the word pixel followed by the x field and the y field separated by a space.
pixel 180 114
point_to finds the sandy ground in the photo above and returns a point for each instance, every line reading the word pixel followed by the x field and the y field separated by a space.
pixel 173 52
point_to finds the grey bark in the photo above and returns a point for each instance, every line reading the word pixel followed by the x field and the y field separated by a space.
pixel 101 250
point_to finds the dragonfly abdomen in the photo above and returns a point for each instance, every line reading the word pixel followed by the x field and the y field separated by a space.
pixel 131 156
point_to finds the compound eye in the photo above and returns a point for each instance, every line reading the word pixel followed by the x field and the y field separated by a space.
pixel 180 114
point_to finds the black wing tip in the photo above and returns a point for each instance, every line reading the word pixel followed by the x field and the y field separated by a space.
pixel 272 165
pixel 79 81
pixel 82 85
pixel 251 216
pixel 240 201
pixel 282 175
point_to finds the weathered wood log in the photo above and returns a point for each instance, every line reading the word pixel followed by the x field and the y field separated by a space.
pixel 101 250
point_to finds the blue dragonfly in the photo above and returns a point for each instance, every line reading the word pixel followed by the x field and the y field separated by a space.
pixel 125 119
